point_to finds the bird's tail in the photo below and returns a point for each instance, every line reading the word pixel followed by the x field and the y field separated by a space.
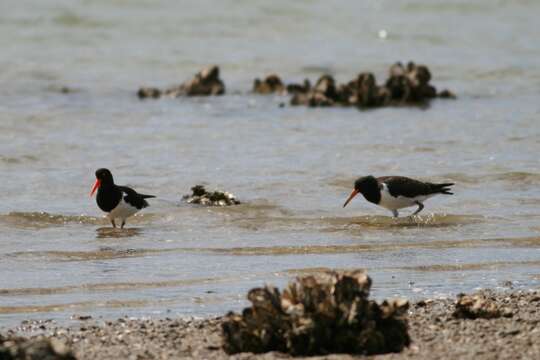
pixel 147 196
pixel 443 188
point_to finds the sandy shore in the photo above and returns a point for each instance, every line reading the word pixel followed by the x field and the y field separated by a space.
pixel 436 334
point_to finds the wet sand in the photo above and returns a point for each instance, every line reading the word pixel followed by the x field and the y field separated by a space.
pixel 436 334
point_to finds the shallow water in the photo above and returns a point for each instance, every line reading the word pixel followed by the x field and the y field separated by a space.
pixel 292 167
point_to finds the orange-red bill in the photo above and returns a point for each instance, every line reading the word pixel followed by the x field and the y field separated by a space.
pixel 353 194
pixel 96 185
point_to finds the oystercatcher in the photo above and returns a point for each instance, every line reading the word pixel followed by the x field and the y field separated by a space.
pixel 397 192
pixel 119 201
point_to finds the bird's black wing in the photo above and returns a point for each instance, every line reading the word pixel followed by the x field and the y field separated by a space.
pixel 404 186
pixel 133 198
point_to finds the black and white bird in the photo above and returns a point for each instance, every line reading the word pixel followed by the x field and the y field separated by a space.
pixel 120 202
pixel 397 192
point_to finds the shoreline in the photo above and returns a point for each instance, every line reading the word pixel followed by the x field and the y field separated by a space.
pixel 435 334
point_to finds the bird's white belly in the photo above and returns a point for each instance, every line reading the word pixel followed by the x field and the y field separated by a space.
pixel 393 203
pixel 122 211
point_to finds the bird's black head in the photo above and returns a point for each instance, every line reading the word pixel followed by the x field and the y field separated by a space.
pixel 363 185
pixel 104 176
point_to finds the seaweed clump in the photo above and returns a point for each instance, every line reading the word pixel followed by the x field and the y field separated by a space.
pixel 478 307
pixel 316 315
pixel 15 348
pixel 200 196
pixel 205 83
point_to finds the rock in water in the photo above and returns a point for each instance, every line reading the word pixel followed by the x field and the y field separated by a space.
pixel 215 198
pixel 299 88
pixel 271 84
pixel 324 93
pixel 410 84
pixel 405 86
pixel 446 94
pixel 364 92
pixel 205 83
pixel 19 348
pixel 315 315
pixel 148 92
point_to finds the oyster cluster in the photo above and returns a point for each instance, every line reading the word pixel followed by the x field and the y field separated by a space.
pixel 322 314
pixel 273 84
pixel 205 83
pixel 405 85
pixel 478 306
pixel 200 196
pixel 15 348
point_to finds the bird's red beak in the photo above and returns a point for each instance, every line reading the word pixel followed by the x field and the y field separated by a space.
pixel 96 185
pixel 353 194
